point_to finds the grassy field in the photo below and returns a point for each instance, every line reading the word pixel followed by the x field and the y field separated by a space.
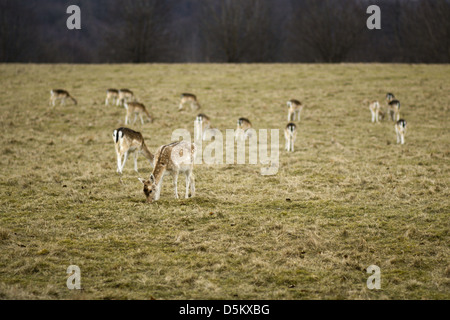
pixel 357 198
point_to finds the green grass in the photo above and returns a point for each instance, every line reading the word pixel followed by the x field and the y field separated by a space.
pixel 357 198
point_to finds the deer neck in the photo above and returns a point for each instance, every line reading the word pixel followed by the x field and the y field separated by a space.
pixel 147 153
pixel 158 173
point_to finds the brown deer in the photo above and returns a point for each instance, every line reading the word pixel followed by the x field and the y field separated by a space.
pixel 375 110
pixel 136 108
pixel 173 159
pixel 244 127
pixel 125 95
pixel 290 134
pixel 59 94
pixel 111 94
pixel 127 141
pixel 191 98
pixel 400 130
pixel 295 108
pixel 202 124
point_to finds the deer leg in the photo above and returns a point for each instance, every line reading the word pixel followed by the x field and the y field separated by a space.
pixel 135 118
pixel 142 119
pixel 119 163
pixel 192 184
pixel 124 161
pixel 135 162
pixel 175 184
pixel 188 179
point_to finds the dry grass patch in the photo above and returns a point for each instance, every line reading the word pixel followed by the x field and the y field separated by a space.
pixel 355 198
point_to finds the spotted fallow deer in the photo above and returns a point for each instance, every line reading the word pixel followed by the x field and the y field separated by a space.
pixel 202 124
pixel 192 99
pixel 389 97
pixel 295 108
pixel 136 108
pixel 173 159
pixel 400 130
pixel 59 94
pixel 290 134
pixel 394 110
pixel 128 141
pixel 375 110
pixel 125 95
pixel 111 95
pixel 244 129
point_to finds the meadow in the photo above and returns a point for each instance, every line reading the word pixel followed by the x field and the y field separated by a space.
pixel 347 198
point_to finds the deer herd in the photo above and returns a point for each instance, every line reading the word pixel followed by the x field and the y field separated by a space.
pixel 392 111
pixel 178 157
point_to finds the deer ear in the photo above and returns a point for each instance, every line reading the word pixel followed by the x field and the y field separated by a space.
pixel 142 180
pixel 152 179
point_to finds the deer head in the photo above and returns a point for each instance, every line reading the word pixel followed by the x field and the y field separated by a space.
pixel 150 188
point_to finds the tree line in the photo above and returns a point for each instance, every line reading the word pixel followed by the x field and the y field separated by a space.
pixel 231 31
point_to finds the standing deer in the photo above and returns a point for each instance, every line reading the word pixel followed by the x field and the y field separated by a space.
pixel 390 97
pixel 125 95
pixel 191 98
pixel 127 141
pixel 400 130
pixel 375 110
pixel 59 94
pixel 136 108
pixel 111 94
pixel 244 127
pixel 290 134
pixel 295 108
pixel 202 124
pixel 173 159
pixel 394 110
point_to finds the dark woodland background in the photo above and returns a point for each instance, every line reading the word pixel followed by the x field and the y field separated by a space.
pixel 136 31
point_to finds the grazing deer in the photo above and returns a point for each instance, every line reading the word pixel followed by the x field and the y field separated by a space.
pixel 59 94
pixel 290 133
pixel 295 107
pixel 192 99
pixel 243 128
pixel 128 141
pixel 172 159
pixel 202 124
pixel 111 94
pixel 375 109
pixel 125 95
pixel 400 130
pixel 394 110
pixel 136 108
